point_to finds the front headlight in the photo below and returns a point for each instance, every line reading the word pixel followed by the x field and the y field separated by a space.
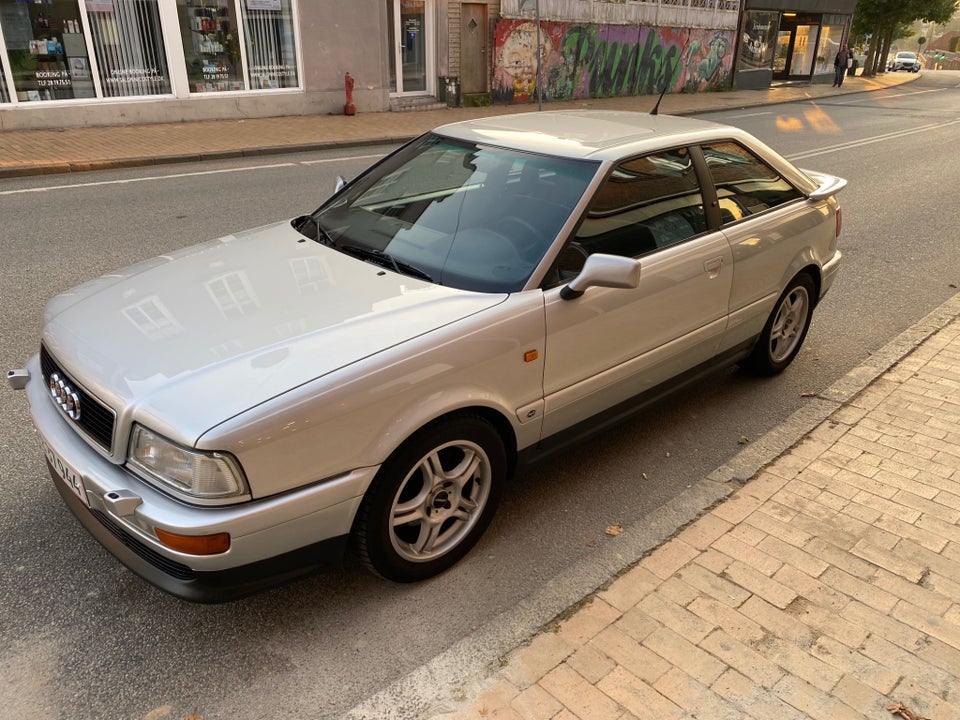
pixel 200 476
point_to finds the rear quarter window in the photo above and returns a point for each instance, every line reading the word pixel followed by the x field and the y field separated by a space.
pixel 745 184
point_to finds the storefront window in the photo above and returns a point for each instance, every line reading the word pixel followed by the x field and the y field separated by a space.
pixel 271 51
pixel 128 44
pixel 46 49
pixel 211 45
pixel 830 37
pixel 759 40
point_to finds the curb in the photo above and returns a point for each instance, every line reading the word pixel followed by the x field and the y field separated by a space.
pixel 122 163
pixel 463 670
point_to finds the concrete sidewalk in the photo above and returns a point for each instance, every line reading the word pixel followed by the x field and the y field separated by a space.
pixel 32 152
pixel 827 586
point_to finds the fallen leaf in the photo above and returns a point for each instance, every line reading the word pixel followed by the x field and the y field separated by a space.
pixel 809 394
pixel 591 543
pixel 743 440
pixel 904 712
pixel 614 530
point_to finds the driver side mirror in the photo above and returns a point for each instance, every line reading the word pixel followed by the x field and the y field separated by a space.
pixel 600 270
pixel 341 184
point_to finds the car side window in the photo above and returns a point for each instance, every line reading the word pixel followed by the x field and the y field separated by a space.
pixel 645 204
pixel 745 184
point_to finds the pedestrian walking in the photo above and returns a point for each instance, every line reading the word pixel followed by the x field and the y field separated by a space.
pixel 840 64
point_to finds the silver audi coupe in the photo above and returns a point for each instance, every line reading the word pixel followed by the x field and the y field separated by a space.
pixel 368 376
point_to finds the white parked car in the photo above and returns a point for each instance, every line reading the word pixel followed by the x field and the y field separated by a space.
pixel 370 374
pixel 905 61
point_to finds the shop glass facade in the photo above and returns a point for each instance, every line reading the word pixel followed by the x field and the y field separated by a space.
pixel 46 50
pixel 804 42
pixel 759 40
pixel 216 58
pixel 128 44
pixel 67 49
pixel 831 35
pixel 269 41
pixel 211 45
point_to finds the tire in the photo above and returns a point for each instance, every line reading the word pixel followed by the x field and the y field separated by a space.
pixel 431 500
pixel 786 328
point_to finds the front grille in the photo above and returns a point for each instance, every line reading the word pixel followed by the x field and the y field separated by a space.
pixel 96 419
pixel 145 552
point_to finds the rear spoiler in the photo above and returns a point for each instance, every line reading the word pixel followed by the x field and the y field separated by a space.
pixel 829 185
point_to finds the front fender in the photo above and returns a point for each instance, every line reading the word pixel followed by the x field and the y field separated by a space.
pixel 356 417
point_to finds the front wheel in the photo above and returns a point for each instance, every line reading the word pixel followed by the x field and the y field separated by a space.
pixel 432 500
pixel 786 328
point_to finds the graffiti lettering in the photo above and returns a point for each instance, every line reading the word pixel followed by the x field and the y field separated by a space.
pixel 587 60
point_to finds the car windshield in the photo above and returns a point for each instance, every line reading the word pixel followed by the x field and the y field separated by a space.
pixel 470 216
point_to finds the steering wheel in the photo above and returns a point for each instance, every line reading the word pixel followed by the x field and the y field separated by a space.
pixel 522 232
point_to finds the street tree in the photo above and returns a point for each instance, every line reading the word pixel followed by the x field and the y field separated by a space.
pixel 884 21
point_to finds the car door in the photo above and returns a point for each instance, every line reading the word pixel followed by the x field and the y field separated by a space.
pixel 610 344
pixel 770 227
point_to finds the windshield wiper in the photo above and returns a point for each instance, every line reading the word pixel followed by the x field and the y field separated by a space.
pixel 386 260
pixel 320 235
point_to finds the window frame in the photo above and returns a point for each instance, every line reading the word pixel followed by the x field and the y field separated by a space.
pixel 708 194
pixel 712 183
pixel 698 173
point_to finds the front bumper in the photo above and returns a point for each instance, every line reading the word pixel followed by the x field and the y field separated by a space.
pixel 272 539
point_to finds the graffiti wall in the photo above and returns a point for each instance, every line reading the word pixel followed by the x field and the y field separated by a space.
pixel 584 61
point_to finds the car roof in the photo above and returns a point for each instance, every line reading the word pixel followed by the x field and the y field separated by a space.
pixel 586 134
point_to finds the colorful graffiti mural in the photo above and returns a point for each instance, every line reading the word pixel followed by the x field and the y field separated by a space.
pixel 590 61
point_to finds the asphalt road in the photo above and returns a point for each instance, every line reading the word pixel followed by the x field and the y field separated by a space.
pixel 83 638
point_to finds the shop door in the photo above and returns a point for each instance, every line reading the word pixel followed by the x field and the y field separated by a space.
pixel 781 59
pixel 473 48
pixel 804 51
pixel 411 37
pixel 796 47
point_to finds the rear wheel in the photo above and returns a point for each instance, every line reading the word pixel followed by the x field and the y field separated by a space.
pixel 786 328
pixel 432 500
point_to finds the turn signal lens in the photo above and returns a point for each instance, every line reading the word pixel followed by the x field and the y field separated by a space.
pixel 195 544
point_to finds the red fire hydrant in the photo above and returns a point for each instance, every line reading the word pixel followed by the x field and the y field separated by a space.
pixel 349 108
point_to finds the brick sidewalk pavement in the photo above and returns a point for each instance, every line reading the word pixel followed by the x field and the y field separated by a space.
pixel 827 587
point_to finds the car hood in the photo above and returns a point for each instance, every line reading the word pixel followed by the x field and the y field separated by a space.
pixel 190 339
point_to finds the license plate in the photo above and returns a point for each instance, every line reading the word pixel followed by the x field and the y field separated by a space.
pixel 66 473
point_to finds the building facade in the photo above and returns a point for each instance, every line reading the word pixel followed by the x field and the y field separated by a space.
pixel 70 63
pixel 790 40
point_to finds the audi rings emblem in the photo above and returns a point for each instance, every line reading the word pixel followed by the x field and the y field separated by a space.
pixel 64 396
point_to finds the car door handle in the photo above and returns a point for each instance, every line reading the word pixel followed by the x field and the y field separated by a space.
pixel 713 267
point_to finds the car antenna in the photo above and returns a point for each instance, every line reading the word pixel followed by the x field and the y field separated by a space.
pixel 666 84
pixel 656 107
